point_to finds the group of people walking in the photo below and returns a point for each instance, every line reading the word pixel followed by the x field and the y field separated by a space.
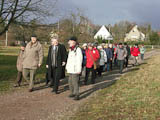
pixel 77 61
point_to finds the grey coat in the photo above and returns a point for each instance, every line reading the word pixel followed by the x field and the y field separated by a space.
pixel 121 53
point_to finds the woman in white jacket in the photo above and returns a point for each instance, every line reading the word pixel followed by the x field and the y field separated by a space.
pixel 102 61
pixel 74 67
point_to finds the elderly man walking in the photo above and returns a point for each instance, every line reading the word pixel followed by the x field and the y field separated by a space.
pixel 56 59
pixel 121 55
pixel 74 67
pixel 33 58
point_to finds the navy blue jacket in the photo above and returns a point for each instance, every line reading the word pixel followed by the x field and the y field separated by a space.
pixel 109 53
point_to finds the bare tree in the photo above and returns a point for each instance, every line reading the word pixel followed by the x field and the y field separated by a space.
pixel 11 10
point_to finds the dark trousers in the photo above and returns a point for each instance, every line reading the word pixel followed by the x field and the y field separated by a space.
pixel 115 62
pixel 93 77
pixel 47 78
pixel 142 56
pixel 100 70
pixel 126 62
pixel 121 64
pixel 111 65
pixel 56 76
pixel 19 77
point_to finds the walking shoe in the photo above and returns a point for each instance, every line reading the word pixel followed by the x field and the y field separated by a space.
pixel 71 96
pixel 57 92
pixel 16 85
pixel 76 97
pixel 30 90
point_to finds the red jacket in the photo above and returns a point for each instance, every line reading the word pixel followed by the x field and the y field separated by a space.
pixel 135 51
pixel 115 55
pixel 95 55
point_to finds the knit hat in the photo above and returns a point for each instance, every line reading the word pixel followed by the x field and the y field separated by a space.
pixel 34 35
pixel 73 38
pixel 99 47
pixel 90 44
pixel 84 45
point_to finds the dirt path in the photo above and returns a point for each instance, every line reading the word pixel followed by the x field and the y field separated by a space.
pixel 44 105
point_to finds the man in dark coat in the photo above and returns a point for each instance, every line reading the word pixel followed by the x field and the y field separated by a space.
pixel 109 56
pixel 128 54
pixel 56 60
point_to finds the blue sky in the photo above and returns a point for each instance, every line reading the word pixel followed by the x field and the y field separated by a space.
pixel 112 11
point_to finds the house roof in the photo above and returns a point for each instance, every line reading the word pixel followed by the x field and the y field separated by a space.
pixel 104 34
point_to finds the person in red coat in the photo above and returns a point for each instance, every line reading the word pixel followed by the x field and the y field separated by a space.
pixel 92 55
pixel 135 52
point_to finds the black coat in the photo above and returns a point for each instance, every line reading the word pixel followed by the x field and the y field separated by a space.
pixel 61 57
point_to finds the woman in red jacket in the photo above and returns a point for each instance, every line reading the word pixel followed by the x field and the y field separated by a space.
pixel 135 52
pixel 92 55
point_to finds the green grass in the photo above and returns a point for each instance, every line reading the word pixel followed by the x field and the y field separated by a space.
pixel 8 71
pixel 136 96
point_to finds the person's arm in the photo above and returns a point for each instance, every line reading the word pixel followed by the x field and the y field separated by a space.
pixel 97 55
pixel 79 60
pixel 40 53
pixel 111 54
pixel 18 59
pixel 125 52
pixel 116 51
pixel 47 61
pixel 64 55
pixel 105 57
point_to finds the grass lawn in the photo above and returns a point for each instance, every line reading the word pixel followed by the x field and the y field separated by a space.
pixel 136 96
pixel 8 70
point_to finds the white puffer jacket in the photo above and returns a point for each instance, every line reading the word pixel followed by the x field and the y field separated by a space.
pixel 74 61
pixel 103 58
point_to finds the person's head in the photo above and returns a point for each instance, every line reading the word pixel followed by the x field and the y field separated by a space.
pixel 100 47
pixel 136 45
pixel 107 46
pixel 110 45
pixel 125 44
pixel 120 45
pixel 23 45
pixel 72 41
pixel 84 46
pixel 95 44
pixel 90 46
pixel 33 38
pixel 54 41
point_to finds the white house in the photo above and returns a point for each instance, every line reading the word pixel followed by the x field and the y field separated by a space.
pixel 135 35
pixel 104 34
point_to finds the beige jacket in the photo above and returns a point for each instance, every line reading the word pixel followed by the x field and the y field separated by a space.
pixel 20 61
pixel 33 55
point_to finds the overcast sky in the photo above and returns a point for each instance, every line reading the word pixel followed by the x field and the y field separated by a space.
pixel 112 11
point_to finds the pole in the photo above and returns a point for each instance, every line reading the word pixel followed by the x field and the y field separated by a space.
pixel 58 26
pixel 6 38
pixel 109 32
pixel 7 34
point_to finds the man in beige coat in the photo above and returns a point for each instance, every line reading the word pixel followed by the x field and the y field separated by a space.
pixel 33 58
